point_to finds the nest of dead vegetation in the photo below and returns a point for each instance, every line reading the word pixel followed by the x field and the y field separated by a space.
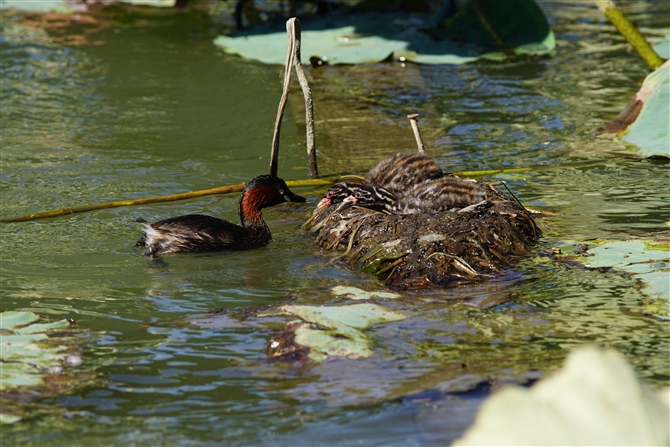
pixel 416 251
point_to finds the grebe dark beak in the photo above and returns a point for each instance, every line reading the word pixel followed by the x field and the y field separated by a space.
pixel 291 197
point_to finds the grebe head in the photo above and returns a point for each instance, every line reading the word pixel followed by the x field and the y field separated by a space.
pixel 371 195
pixel 337 193
pixel 261 192
pixel 267 190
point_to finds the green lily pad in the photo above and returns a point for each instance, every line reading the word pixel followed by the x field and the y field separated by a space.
pixel 13 320
pixel 646 261
pixel 520 28
pixel 355 293
pixel 334 331
pixel 31 358
pixel 596 399
pixel 651 130
pixel 156 3
pixel 659 40
pixel 65 6
pixel 358 316
pixel 324 344
pixel 645 122
pixel 60 6
pixel 8 418
pixel 26 358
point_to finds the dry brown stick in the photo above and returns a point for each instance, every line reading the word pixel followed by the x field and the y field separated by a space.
pixel 182 196
pixel 290 54
pixel 309 104
pixel 415 128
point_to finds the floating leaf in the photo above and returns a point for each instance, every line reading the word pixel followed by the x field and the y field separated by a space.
pixel 26 358
pixel 68 6
pixel 324 344
pixel 648 262
pixel 596 399
pixel 645 122
pixel 61 6
pixel 13 320
pixel 331 331
pixel 660 41
pixel 493 31
pixel 8 418
pixel 156 3
pixel 355 293
pixel 358 316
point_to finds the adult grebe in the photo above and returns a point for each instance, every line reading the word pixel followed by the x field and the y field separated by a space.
pixel 197 232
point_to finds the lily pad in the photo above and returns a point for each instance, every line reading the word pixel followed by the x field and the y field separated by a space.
pixel 651 130
pixel 330 331
pixel 61 6
pixel 355 293
pixel 70 6
pixel 596 399
pixel 645 122
pixel 659 40
pixel 646 261
pixel 31 358
pixel 26 358
pixel 155 3
pixel 494 31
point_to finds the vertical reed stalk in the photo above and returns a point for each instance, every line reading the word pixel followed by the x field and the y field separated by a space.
pixel 309 104
pixel 290 54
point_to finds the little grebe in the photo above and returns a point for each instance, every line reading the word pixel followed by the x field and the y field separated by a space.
pixel 400 171
pixel 392 175
pixel 443 194
pixel 197 232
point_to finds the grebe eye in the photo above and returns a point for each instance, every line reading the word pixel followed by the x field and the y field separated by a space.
pixel 358 195
pixel 281 191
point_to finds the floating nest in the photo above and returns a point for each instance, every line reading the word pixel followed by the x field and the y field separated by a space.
pixel 418 251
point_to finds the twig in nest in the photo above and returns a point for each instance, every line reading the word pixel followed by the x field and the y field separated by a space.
pixel 417 135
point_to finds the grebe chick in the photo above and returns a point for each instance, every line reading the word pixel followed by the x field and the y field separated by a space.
pixel 403 170
pixel 393 175
pixel 443 194
pixel 338 192
pixel 197 232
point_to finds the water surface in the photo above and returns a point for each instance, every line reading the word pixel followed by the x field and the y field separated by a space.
pixel 148 106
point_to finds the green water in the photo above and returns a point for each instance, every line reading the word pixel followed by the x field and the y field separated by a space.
pixel 150 107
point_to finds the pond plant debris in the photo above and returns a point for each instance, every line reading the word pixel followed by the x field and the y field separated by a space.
pixel 39 358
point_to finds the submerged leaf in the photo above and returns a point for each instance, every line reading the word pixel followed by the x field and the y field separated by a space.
pixel 596 399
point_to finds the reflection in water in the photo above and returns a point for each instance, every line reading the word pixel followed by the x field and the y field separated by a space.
pixel 155 111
